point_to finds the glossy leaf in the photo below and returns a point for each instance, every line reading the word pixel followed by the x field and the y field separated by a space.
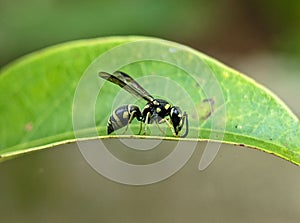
pixel 55 96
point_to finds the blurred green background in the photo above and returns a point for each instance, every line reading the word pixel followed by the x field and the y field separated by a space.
pixel 217 27
pixel 260 38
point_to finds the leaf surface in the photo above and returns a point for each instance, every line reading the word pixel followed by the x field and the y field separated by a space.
pixel 55 96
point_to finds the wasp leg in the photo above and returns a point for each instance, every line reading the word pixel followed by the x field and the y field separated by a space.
pixel 146 122
pixel 169 125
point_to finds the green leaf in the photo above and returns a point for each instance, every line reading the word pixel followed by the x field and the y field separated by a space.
pixel 55 96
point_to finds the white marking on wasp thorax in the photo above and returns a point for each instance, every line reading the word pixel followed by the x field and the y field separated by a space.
pixel 158 110
pixel 155 102
pixel 167 106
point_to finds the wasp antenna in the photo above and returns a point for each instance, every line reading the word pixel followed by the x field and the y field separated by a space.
pixel 186 126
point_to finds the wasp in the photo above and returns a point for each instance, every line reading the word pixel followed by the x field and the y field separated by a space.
pixel 155 111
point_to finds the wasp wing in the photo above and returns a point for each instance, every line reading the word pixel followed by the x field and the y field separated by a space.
pixel 128 83
pixel 131 82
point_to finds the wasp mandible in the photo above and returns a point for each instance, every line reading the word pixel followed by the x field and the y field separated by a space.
pixel 155 111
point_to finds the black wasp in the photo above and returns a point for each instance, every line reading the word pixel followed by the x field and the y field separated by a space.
pixel 156 110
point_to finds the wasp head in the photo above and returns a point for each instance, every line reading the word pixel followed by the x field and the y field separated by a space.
pixel 177 118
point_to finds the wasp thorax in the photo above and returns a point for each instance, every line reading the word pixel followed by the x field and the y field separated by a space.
pixel 156 110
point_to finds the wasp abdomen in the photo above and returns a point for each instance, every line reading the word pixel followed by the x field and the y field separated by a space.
pixel 122 116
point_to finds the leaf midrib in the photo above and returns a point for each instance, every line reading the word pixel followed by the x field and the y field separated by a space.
pixel 19 149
